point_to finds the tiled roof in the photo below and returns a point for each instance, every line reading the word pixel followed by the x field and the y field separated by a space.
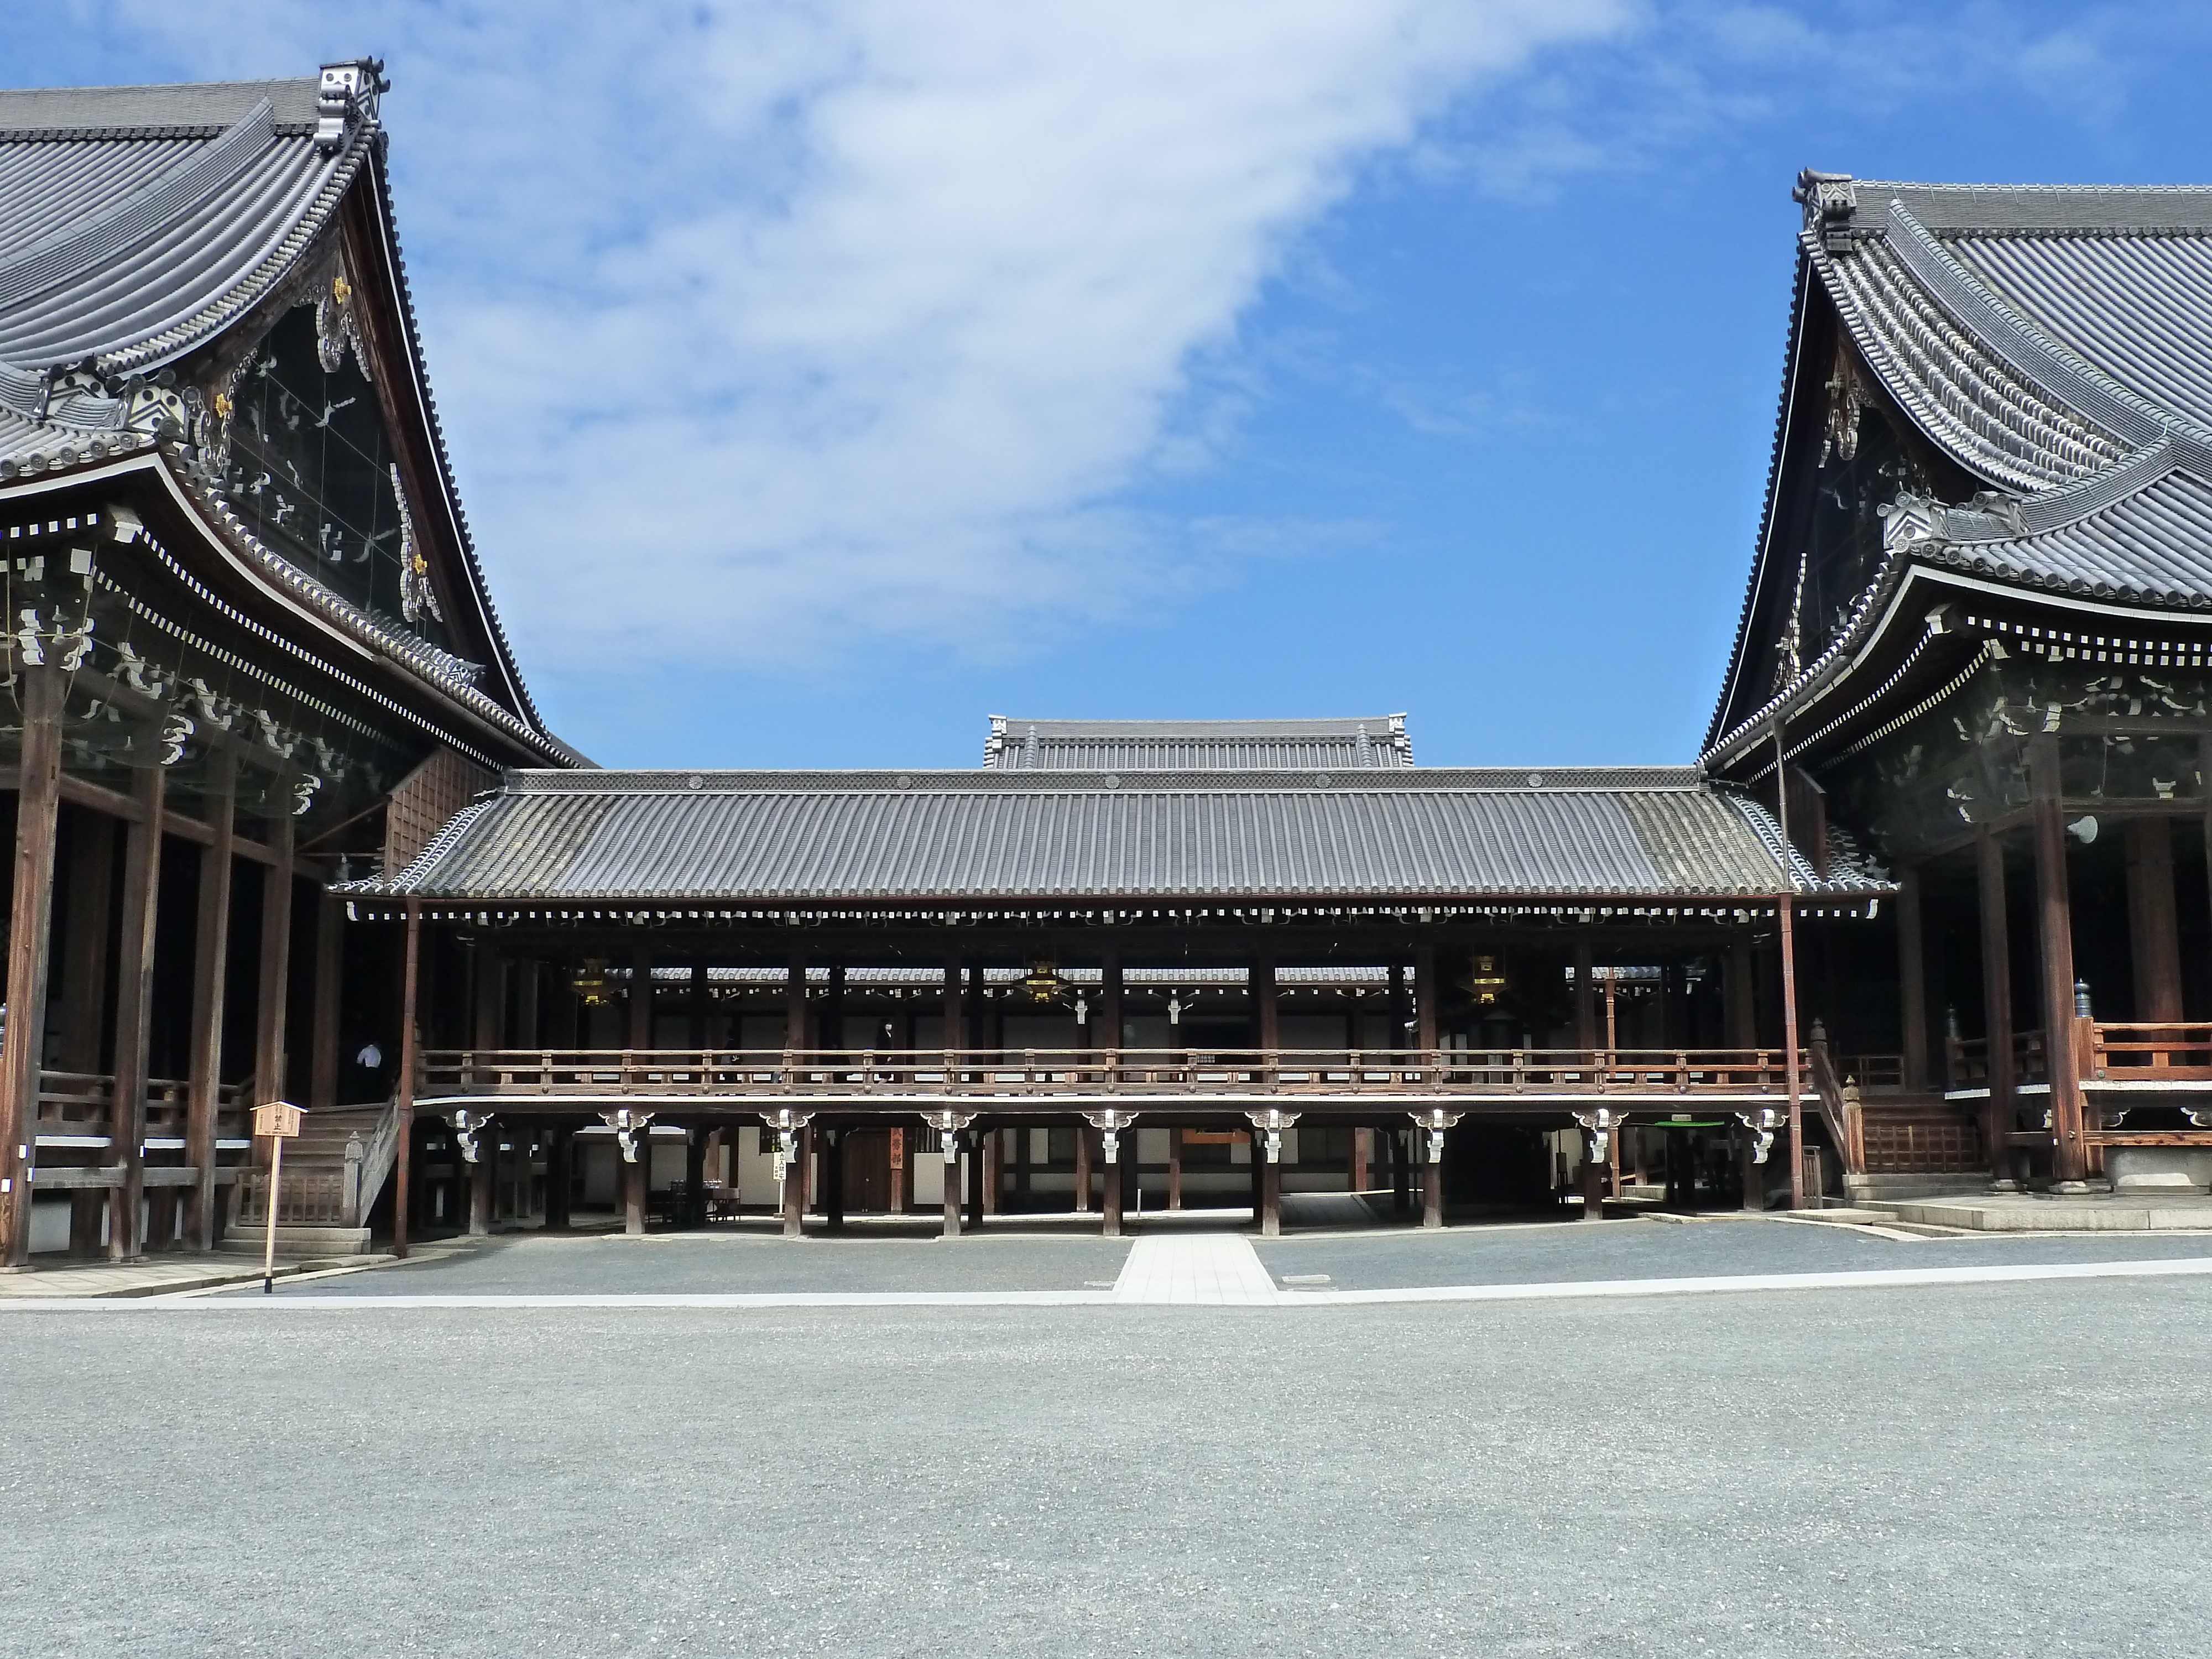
pixel 990 835
pixel 136 224
pixel 1378 740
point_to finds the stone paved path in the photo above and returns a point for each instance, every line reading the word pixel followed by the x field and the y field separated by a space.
pixel 1207 1269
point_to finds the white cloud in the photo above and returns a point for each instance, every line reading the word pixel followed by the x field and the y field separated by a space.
pixel 766 331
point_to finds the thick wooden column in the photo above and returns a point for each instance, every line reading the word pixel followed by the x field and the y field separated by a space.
pixel 488 996
pixel 1082 1168
pixel 695 1173
pixel 2154 924
pixel 796 1150
pixel 974 1173
pixel 1175 1170
pixel 529 1024
pixel 1742 995
pixel 1585 998
pixel 1432 1184
pixel 270 1079
pixel 1267 1005
pixel 833 1180
pixel 559 1161
pixel 1428 998
pixel 794 1003
pixel 134 1012
pixel 483 1174
pixel 640 1000
pixel 39 687
pixel 2054 911
pixel 2000 1111
pixel 952 1014
pixel 1270 1187
pixel 1911 977
pixel 1401 1180
pixel 411 980
pixel 951 1151
pixel 330 980
pixel 636 1178
pixel 1110 1187
pixel 1401 1008
pixel 210 966
pixel 993 1175
pixel 87 918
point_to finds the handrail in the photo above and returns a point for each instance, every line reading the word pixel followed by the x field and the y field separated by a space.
pixel 663 1074
pixel 2146 1051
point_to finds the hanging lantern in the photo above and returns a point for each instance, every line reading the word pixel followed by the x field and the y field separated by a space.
pixel 1042 984
pixel 1485 981
pixel 592 987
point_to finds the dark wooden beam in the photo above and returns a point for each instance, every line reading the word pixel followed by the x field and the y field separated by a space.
pixel 2153 936
pixel 210 960
pixel 1999 1113
pixel 1911 978
pixel 272 1004
pixel 330 974
pixel 40 690
pixel 410 985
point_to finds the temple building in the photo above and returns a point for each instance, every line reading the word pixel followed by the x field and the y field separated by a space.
pixel 1932 908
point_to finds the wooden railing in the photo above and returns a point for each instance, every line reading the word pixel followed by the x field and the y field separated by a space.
pixel 1872 1070
pixel 2136 1052
pixel 82 1104
pixel 305 1198
pixel 596 1074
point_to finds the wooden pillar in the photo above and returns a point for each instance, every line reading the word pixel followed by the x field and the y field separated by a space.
pixel 1432 1184
pixel 951 1146
pixel 1267 1005
pixel 1402 1181
pixel 796 1150
pixel 329 979
pixel 1361 1137
pixel 694 1173
pixel 1911 977
pixel 1401 1007
pixel 994 1176
pixel 87 916
pixel 529 1025
pixel 1428 999
pixel 833 1180
pixel 489 1014
pixel 483 1176
pixel 560 1156
pixel 1585 998
pixel 1111 1186
pixel 1593 1171
pixel 402 1170
pixel 640 1000
pixel 1742 995
pixel 272 1004
pixel 953 1015
pixel 134 1011
pixel 2000 1111
pixel 1175 1170
pixel 636 1179
pixel 974 1176
pixel 1271 1188
pixel 2154 925
pixel 1082 1168
pixel 211 965
pixel 2054 910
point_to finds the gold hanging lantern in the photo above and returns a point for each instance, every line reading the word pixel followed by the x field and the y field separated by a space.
pixel 592 987
pixel 1042 984
pixel 1485 981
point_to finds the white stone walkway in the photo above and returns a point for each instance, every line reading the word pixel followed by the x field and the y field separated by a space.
pixel 1215 1270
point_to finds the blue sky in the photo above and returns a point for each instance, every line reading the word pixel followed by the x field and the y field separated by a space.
pixel 824 378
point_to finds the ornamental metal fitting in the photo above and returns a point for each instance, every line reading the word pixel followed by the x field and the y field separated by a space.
pixel 1109 1124
pixel 1269 1126
pixel 1762 1122
pixel 1434 1122
pixel 629 1126
pixel 1599 1123
pixel 948 1125
pixel 467 1127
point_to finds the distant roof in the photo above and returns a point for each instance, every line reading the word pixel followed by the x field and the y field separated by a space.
pixel 1377 740
pixel 927 837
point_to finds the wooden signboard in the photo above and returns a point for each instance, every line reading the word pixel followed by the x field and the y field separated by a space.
pixel 279 1120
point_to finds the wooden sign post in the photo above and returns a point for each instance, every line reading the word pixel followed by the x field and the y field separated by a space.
pixel 280 1122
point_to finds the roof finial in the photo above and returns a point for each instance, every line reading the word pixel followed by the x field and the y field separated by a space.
pixel 346 95
pixel 1829 200
pixel 1365 752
